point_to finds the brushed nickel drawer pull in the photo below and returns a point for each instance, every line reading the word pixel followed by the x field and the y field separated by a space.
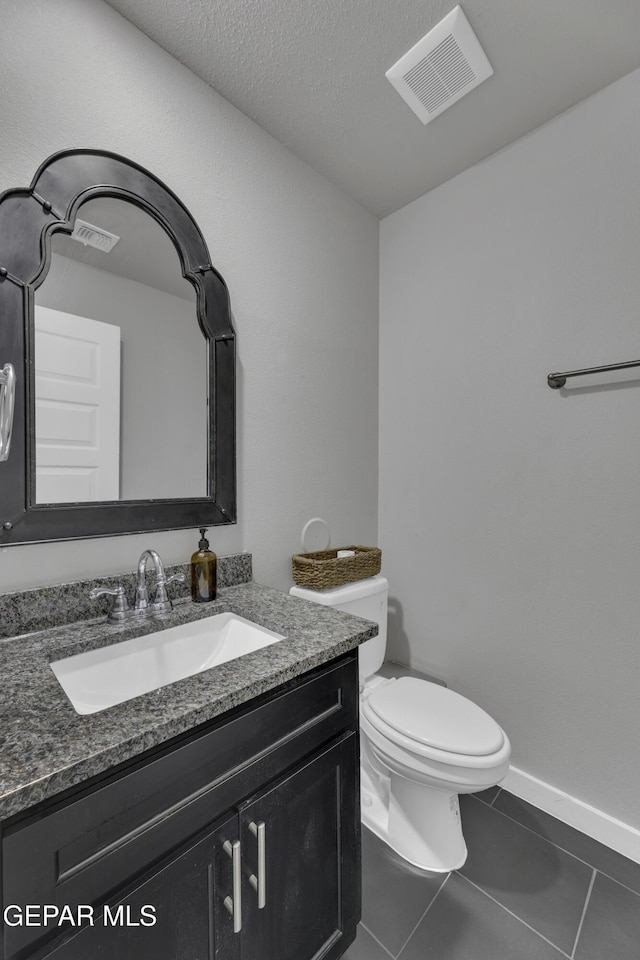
pixel 259 883
pixel 234 904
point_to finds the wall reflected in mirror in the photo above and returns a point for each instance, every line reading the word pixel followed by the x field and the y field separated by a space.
pixel 120 366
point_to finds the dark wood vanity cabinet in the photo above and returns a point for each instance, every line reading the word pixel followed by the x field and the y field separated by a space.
pixel 241 842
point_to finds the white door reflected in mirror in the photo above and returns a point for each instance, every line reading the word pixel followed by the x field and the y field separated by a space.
pixel 77 374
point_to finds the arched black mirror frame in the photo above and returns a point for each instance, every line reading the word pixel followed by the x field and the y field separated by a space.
pixel 28 219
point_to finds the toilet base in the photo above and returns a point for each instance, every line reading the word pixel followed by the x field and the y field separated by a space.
pixel 420 823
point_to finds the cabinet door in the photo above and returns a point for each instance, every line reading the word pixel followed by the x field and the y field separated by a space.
pixel 188 895
pixel 311 849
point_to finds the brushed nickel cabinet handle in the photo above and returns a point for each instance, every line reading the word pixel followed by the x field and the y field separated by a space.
pixel 259 883
pixel 234 904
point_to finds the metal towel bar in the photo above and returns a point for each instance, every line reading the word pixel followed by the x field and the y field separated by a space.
pixel 557 380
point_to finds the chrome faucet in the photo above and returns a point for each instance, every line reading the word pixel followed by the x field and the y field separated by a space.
pixel 161 602
pixel 143 607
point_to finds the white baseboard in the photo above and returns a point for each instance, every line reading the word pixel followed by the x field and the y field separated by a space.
pixel 596 824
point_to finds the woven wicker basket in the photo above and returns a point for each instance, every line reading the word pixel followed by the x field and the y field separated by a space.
pixel 323 569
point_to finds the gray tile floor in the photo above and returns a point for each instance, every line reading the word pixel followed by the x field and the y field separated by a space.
pixel 532 889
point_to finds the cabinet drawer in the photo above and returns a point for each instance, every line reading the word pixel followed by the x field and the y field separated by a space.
pixel 83 849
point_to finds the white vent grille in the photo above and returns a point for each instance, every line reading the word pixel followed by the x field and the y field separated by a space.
pixel 94 236
pixel 441 67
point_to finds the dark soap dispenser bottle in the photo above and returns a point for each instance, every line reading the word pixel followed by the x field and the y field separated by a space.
pixel 204 566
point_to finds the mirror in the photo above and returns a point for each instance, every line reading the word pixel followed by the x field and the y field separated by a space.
pixel 122 339
pixel 120 362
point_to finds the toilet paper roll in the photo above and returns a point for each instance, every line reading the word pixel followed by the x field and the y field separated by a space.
pixel 346 553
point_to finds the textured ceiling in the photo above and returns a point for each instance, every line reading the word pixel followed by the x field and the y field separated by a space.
pixel 312 73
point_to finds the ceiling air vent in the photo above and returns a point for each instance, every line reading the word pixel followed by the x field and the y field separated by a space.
pixel 94 236
pixel 441 68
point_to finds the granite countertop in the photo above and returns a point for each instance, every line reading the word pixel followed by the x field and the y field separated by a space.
pixel 46 747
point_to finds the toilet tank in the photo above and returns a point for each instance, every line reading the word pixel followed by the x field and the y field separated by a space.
pixel 364 598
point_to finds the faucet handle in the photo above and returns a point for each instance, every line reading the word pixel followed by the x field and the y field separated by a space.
pixel 175 578
pixel 120 608
pixel 161 588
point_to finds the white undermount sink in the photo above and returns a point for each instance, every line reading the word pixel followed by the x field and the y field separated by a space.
pixel 101 678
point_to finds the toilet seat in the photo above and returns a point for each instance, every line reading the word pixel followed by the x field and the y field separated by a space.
pixel 434 722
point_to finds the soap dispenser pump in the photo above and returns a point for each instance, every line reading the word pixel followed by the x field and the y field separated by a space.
pixel 204 565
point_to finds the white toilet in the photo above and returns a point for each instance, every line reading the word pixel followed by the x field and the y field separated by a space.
pixel 421 745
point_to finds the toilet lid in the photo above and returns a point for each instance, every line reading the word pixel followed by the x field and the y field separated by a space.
pixel 435 716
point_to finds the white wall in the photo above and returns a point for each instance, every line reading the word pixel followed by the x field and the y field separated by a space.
pixel 509 512
pixel 299 257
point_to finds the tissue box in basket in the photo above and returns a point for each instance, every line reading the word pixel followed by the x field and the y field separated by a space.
pixel 323 569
